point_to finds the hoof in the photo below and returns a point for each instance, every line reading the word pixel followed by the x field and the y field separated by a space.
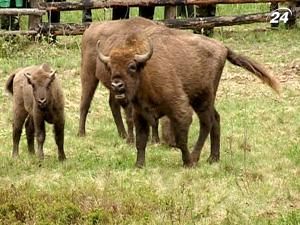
pixel 81 134
pixel 155 140
pixel 195 157
pixel 123 135
pixel 189 165
pixel 130 140
pixel 31 152
pixel 213 159
pixel 62 158
pixel 15 155
pixel 40 156
pixel 139 165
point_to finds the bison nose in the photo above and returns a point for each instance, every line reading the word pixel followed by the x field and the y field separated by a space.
pixel 118 85
pixel 42 101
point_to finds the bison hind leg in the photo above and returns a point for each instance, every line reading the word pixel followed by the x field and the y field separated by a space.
pixel 215 139
pixel 154 130
pixel 206 118
pixel 167 132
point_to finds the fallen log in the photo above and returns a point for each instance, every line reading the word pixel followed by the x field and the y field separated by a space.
pixel 62 28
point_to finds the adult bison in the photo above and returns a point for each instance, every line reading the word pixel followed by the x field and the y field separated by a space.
pixel 91 75
pixel 163 71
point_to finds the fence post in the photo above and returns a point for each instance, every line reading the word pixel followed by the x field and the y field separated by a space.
pixel 34 20
pixel 170 12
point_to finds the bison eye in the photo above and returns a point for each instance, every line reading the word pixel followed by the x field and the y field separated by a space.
pixel 132 68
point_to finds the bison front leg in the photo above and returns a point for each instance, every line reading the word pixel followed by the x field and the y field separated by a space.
pixel 59 139
pixel 39 126
pixel 180 128
pixel 130 123
pixel 116 112
pixel 88 88
pixel 142 134
pixel 29 127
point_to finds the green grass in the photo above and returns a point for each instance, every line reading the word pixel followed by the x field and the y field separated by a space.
pixel 255 182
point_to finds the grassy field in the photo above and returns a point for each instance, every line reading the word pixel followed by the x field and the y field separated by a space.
pixel 256 181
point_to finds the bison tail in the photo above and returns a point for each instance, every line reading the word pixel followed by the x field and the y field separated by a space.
pixel 255 68
pixel 9 83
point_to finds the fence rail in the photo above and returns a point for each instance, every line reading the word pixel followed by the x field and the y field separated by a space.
pixel 37 27
pixel 68 6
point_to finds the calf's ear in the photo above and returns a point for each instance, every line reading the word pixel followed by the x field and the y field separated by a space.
pixel 28 77
pixel 45 67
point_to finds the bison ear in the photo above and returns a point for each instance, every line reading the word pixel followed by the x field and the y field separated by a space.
pixel 28 77
pixel 45 67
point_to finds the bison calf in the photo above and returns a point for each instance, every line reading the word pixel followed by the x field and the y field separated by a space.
pixel 37 97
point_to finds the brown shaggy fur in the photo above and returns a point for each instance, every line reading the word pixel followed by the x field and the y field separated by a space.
pixel 184 70
pixel 90 74
pixel 37 97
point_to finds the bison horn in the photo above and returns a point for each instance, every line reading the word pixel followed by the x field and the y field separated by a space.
pixel 52 75
pixel 144 57
pixel 103 58
pixel 28 77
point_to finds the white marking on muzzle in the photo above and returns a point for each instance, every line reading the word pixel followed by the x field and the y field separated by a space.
pixel 120 96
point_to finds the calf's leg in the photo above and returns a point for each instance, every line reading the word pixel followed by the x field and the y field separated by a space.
pixel 18 121
pixel 59 139
pixel 29 127
pixel 39 127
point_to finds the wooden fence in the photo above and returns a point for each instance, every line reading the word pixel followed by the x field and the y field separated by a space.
pixel 40 8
